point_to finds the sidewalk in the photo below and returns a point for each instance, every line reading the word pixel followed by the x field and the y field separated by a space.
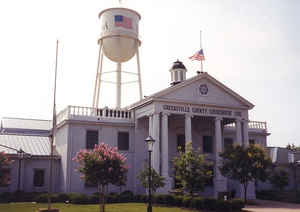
pixel 272 206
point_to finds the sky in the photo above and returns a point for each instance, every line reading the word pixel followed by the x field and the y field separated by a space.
pixel 252 47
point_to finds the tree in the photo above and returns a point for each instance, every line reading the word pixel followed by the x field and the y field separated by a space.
pixel 245 164
pixel 191 170
pixel 4 161
pixel 102 166
pixel 279 179
pixel 157 180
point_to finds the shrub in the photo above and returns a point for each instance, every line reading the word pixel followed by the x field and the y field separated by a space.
pixel 178 201
pixel 209 203
pixel 115 198
pixel 237 204
pixel 266 195
pixel 223 206
pixel 126 196
pixel 161 198
pixel 41 198
pixel 62 197
pixel 186 201
pixel 170 200
pixel 197 203
pixel 5 197
pixel 76 198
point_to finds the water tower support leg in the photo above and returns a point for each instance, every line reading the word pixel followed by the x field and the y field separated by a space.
pixel 98 78
pixel 139 72
pixel 118 102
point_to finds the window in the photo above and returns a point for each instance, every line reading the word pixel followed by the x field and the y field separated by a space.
pixel 4 177
pixel 38 177
pixel 228 142
pixel 123 141
pixel 181 143
pixel 207 144
pixel 91 139
pixel 252 141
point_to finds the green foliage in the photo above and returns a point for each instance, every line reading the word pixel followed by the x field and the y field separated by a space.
pixel 210 203
pixel 102 166
pixel 245 164
pixel 4 162
pixel 162 199
pixel 191 170
pixel 279 179
pixel 157 180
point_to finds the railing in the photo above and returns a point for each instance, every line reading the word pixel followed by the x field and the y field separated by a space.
pixel 104 113
pixel 252 125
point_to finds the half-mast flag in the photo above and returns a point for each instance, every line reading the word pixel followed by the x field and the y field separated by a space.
pixel 199 55
pixel 123 21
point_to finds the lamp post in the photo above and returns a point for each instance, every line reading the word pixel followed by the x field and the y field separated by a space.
pixel 20 153
pixel 150 141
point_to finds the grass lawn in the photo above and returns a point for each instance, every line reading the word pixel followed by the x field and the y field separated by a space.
pixel 120 207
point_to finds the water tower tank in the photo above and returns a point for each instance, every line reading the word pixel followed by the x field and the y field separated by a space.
pixel 119 33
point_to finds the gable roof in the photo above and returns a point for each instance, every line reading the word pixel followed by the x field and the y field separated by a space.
pixel 202 75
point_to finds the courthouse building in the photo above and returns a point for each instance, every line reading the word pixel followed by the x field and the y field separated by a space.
pixel 200 110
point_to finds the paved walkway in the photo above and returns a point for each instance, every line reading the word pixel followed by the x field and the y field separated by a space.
pixel 272 206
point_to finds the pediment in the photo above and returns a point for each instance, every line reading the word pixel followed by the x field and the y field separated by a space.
pixel 204 89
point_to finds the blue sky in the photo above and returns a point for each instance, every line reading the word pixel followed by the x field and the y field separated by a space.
pixel 252 47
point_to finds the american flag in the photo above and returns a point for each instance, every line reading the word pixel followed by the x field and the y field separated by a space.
pixel 123 21
pixel 199 55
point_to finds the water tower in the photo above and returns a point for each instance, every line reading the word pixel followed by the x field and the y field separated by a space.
pixel 119 42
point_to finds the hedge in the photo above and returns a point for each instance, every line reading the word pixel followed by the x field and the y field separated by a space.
pixel 198 203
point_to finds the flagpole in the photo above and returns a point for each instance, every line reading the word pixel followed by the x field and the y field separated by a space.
pixel 200 50
pixel 52 136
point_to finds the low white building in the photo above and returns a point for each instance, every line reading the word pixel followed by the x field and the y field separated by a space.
pixel 200 109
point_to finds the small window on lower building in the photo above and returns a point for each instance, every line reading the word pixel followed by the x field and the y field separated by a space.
pixel 123 141
pixel 39 177
pixel 4 177
pixel 91 139
pixel 207 144
pixel 252 141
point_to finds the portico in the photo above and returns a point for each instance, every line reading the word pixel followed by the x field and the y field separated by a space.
pixel 184 113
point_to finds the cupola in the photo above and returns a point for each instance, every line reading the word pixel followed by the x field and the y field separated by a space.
pixel 178 72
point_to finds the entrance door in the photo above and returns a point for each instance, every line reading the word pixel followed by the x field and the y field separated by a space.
pixel 181 142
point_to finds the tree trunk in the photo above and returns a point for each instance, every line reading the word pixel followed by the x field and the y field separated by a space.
pixel 99 191
pixel 102 199
pixel 245 192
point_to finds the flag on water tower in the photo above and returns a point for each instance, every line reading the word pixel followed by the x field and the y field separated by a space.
pixel 123 21
pixel 199 55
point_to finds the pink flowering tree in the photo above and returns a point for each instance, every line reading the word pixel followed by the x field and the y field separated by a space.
pixel 102 166
pixel 4 161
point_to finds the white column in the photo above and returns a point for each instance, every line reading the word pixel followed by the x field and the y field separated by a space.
pixel 245 133
pixel 188 128
pixel 150 124
pixel 220 182
pixel 156 147
pixel 238 129
pixel 165 154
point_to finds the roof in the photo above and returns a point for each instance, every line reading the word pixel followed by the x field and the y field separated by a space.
pixel 177 64
pixel 25 126
pixel 34 145
pixel 202 75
